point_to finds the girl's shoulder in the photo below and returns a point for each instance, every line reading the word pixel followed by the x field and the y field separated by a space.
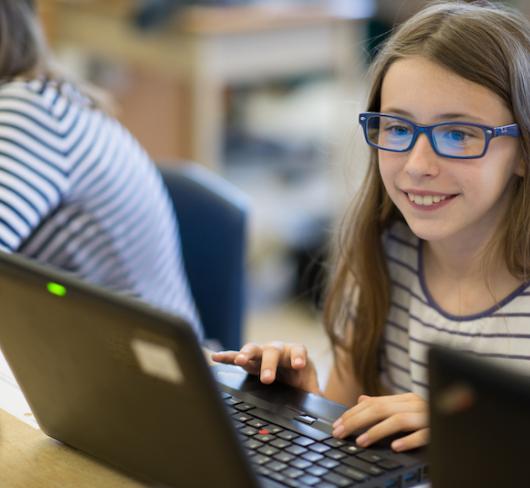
pixel 45 95
pixel 32 89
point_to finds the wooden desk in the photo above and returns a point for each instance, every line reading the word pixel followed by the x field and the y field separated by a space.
pixel 30 459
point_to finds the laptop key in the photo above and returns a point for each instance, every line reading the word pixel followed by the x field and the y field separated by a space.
pixel 274 429
pixel 287 435
pixel 249 431
pixel 232 401
pixel 263 471
pixel 292 472
pixel 306 419
pixel 293 483
pixel 318 447
pixel 309 480
pixel 243 407
pixel 300 463
pixel 276 466
pixel 284 457
pixel 296 450
pixel 389 464
pixel 334 454
pixel 303 441
pixel 252 444
pixel 369 457
pixel 362 465
pixel 335 442
pixel 241 417
pixel 280 443
pixel 328 463
pixel 312 456
pixel 352 473
pixel 268 450
pixel 351 449
pixel 264 437
pixel 256 423
pixel 337 479
pixel 259 459
pixel 317 471
pixel 278 477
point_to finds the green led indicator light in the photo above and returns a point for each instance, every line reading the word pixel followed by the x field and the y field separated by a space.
pixel 56 289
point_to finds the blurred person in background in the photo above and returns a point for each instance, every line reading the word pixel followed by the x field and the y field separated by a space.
pixel 77 191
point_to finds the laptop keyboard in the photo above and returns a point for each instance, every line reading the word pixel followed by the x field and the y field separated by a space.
pixel 297 460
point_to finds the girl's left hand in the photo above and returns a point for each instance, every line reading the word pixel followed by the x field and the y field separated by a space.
pixel 384 416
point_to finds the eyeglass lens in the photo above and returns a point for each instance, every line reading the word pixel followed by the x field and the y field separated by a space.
pixel 452 140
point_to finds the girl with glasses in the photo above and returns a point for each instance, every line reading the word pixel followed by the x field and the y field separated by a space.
pixel 437 244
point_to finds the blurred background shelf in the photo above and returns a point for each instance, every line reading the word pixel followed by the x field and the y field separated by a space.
pixel 264 93
pixel 204 52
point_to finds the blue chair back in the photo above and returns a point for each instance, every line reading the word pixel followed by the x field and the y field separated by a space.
pixel 212 216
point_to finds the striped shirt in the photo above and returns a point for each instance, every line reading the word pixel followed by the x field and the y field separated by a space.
pixel 78 192
pixel 415 321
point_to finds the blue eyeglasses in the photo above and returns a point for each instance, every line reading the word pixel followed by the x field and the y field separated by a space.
pixel 458 140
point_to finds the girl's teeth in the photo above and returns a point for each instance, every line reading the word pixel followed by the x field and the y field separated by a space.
pixel 425 199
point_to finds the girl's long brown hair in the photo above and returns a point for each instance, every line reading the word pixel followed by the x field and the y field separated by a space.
pixel 486 44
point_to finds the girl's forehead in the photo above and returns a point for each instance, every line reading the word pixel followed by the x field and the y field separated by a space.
pixel 427 89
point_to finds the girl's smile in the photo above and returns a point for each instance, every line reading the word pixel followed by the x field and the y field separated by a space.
pixel 428 200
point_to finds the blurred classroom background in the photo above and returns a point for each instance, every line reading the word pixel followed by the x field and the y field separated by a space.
pixel 265 93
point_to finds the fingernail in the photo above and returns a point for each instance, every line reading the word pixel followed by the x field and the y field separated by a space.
pixel 298 362
pixel 362 440
pixel 266 375
pixel 337 422
pixel 397 445
pixel 338 431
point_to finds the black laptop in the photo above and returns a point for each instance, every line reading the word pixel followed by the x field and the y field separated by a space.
pixel 480 422
pixel 130 386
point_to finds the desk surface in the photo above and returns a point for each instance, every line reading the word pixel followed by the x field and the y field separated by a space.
pixel 30 459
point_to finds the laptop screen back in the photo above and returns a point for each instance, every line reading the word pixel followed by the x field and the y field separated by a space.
pixel 116 379
pixel 480 423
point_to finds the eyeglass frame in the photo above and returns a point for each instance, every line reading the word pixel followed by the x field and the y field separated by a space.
pixel 511 130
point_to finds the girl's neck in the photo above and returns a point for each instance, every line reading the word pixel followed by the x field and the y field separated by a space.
pixel 460 262
pixel 459 281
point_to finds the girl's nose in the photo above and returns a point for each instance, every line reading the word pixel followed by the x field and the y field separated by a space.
pixel 422 161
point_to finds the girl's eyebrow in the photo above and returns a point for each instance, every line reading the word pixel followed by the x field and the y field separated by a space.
pixel 444 116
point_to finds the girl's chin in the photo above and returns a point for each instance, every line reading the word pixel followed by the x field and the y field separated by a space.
pixel 428 231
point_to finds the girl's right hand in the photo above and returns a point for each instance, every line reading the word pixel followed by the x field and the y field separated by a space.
pixel 286 362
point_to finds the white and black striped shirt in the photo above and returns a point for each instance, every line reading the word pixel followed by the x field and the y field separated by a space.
pixel 415 321
pixel 78 192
